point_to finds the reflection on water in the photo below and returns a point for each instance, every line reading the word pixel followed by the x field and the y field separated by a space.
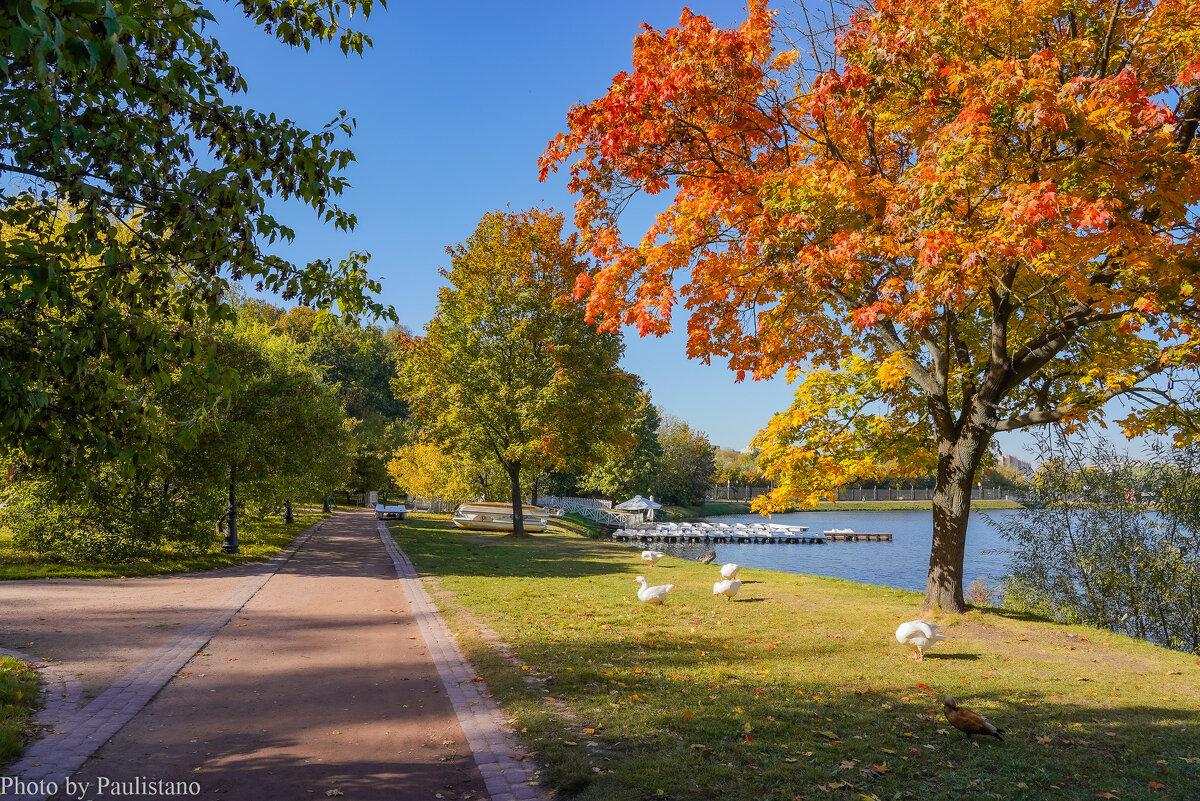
pixel 902 563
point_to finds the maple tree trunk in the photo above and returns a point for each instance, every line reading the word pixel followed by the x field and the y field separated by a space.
pixel 957 462
pixel 514 481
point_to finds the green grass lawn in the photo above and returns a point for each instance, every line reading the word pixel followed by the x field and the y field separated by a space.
pixel 18 700
pixel 258 539
pixel 798 688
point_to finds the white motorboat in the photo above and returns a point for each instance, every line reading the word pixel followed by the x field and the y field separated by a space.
pixel 498 517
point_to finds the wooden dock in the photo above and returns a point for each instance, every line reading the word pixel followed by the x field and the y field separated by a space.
pixel 746 538
pixel 860 536
pixel 707 539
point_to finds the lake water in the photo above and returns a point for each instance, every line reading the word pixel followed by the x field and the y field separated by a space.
pixel 902 563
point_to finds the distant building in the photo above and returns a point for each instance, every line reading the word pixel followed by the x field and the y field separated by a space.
pixel 1020 465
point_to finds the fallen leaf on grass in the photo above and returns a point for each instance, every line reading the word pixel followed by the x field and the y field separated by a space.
pixel 1156 786
pixel 1045 740
pixel 1106 795
pixel 827 788
pixel 333 792
pixel 829 734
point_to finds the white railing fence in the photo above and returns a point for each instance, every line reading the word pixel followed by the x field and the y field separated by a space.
pixel 592 508
pixel 434 505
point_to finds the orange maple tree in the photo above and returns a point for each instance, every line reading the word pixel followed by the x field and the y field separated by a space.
pixel 973 218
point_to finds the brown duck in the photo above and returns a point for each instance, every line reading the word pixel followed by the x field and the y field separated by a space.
pixel 969 721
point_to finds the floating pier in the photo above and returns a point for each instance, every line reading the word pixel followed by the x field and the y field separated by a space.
pixel 859 536
pixel 714 537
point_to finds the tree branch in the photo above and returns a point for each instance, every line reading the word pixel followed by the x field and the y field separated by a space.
pixel 1040 417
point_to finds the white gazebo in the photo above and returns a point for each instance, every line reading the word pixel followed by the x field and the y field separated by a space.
pixel 639 504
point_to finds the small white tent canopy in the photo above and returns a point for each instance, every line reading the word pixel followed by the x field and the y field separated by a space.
pixel 639 504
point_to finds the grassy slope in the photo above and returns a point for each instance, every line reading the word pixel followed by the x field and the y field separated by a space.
pixel 259 539
pixel 18 700
pixel 798 688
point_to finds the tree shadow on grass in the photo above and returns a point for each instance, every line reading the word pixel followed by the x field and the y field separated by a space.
pixel 969 657
pixel 753 733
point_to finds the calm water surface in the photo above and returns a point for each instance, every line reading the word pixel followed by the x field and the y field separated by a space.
pixel 902 563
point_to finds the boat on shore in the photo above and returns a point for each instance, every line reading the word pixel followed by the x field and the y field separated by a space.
pixel 498 517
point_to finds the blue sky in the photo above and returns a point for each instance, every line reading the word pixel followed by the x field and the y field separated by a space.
pixel 454 103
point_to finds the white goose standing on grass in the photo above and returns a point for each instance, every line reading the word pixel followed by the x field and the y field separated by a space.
pixel 730 570
pixel 651 557
pixel 918 635
pixel 652 595
pixel 728 588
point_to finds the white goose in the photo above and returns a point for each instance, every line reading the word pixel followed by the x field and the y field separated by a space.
pixel 730 570
pixel 652 595
pixel 728 588
pixel 652 557
pixel 918 635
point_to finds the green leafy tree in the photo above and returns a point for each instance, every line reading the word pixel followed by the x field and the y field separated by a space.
pixel 1110 541
pixel 136 193
pixel 630 469
pixel 278 435
pixel 738 469
pixel 509 368
pixel 687 468
pixel 360 362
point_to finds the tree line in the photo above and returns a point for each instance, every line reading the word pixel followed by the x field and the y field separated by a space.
pixel 298 407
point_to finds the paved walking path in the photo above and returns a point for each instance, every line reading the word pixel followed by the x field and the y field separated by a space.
pixel 326 671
